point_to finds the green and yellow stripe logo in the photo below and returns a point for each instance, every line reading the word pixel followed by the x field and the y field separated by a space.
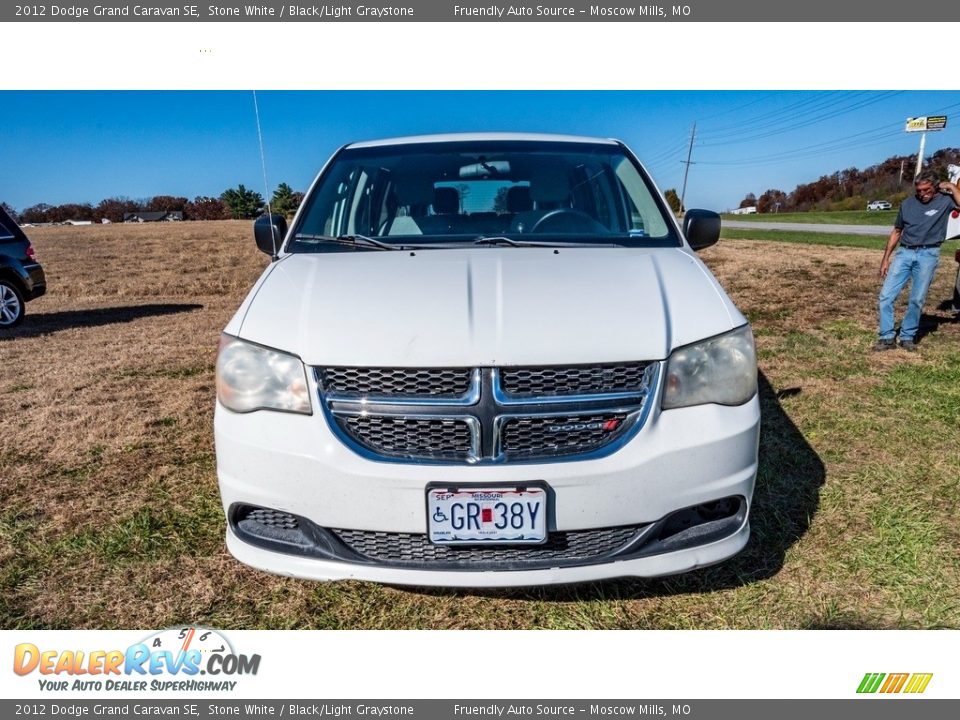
pixel 894 682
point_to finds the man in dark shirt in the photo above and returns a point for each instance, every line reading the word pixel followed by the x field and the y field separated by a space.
pixel 919 230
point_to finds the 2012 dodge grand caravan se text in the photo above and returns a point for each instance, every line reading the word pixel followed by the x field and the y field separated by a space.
pixel 486 360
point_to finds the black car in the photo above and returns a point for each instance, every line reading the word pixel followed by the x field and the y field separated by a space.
pixel 21 277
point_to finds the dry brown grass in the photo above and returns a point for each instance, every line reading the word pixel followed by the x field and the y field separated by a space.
pixel 110 513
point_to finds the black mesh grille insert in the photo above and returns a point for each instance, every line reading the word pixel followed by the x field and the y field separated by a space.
pixel 573 380
pixel 430 382
pixel 408 548
pixel 272 518
pixel 560 435
pixel 406 437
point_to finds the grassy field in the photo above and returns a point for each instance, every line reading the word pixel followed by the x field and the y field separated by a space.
pixel 110 514
pixel 839 217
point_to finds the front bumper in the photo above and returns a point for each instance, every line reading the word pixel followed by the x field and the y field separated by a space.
pixel 679 459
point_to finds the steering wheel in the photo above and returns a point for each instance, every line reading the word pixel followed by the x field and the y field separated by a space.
pixel 568 220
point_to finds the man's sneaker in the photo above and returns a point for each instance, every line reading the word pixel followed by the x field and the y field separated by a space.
pixel 882 345
pixel 908 345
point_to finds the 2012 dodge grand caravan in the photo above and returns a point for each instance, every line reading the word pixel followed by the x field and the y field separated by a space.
pixel 486 360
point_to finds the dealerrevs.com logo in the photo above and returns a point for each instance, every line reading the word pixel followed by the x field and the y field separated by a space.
pixel 894 683
pixel 168 660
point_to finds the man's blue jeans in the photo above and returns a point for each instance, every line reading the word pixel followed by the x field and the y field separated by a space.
pixel 918 267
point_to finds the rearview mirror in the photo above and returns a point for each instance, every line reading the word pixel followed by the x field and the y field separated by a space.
pixel 701 228
pixel 494 168
pixel 269 231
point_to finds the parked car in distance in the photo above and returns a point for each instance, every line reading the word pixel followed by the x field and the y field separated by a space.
pixel 486 360
pixel 878 205
pixel 21 276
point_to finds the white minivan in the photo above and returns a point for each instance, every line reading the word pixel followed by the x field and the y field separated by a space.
pixel 486 360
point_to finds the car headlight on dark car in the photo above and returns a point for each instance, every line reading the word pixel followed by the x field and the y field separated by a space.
pixel 253 377
pixel 721 370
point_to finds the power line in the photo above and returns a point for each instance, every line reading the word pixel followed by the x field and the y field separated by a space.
pixel 805 123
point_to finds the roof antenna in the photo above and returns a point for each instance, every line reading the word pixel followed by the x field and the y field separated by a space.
pixel 263 165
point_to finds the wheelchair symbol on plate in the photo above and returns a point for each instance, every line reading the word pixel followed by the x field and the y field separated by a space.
pixel 438 516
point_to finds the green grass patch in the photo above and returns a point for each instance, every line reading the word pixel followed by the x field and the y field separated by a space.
pixel 152 533
pixel 926 393
pixel 840 217
pixel 874 242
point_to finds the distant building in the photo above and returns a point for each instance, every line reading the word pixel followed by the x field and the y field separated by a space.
pixel 744 211
pixel 77 222
pixel 159 216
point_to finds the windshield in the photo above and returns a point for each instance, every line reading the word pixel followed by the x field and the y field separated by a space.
pixel 453 192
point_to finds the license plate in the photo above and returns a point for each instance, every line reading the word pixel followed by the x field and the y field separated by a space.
pixel 475 516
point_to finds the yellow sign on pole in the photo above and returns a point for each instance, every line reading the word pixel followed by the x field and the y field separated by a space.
pixel 928 122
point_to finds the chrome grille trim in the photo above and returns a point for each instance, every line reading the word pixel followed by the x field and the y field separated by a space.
pixel 488 409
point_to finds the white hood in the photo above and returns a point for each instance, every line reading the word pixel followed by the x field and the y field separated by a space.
pixel 486 306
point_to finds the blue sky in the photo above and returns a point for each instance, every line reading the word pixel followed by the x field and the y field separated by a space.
pixel 83 146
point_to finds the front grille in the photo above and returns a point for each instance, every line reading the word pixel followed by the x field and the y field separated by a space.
pixel 415 549
pixel 573 380
pixel 414 382
pixel 560 435
pixel 406 437
pixel 487 415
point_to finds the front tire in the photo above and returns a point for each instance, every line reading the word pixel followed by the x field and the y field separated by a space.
pixel 12 305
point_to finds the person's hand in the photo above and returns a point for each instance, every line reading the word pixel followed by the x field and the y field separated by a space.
pixel 947 185
pixel 884 266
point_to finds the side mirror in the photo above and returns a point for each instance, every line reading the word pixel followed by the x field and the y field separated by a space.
pixel 701 228
pixel 269 231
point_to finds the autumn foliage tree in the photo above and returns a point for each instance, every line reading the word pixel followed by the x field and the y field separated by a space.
pixel 166 203
pixel 206 208
pixel 114 209
pixel 772 201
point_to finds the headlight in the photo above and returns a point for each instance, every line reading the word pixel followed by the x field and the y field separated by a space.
pixel 252 377
pixel 722 370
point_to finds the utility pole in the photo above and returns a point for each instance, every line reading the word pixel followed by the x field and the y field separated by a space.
pixel 900 179
pixel 686 170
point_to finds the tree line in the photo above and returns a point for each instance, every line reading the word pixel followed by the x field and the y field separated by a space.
pixel 234 203
pixel 849 189
pixel 852 188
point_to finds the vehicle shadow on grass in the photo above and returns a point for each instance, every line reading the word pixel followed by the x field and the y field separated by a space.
pixel 785 500
pixel 48 323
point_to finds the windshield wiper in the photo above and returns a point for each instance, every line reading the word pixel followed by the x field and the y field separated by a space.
pixel 355 241
pixel 500 240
